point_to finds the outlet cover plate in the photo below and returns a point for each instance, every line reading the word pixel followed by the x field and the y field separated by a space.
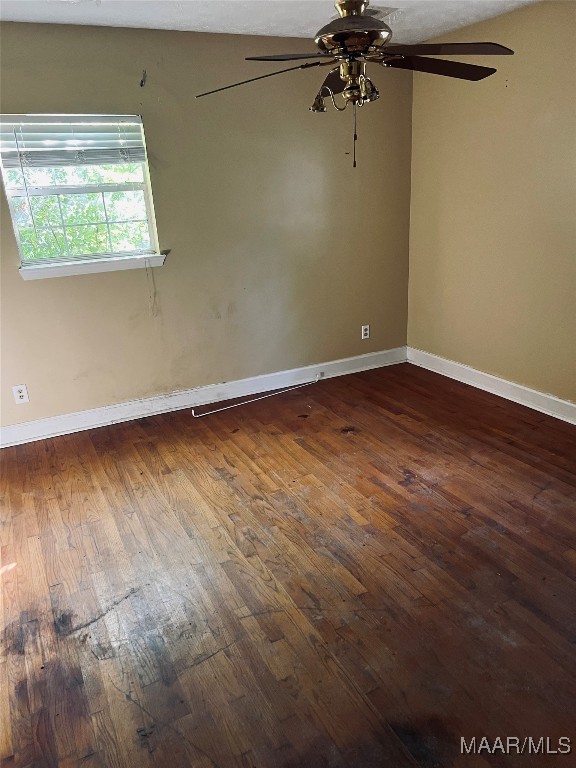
pixel 20 393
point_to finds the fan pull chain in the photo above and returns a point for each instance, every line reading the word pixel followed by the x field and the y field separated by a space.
pixel 355 136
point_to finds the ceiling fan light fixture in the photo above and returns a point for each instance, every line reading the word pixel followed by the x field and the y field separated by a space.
pixel 368 90
pixel 352 94
pixel 319 104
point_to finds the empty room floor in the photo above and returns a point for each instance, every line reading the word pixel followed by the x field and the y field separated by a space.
pixel 362 572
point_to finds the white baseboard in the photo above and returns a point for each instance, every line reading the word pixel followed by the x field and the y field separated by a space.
pixel 40 429
pixel 553 406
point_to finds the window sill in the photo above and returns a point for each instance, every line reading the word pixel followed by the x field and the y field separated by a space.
pixel 40 271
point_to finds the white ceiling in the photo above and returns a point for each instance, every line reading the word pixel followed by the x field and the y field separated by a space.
pixel 411 20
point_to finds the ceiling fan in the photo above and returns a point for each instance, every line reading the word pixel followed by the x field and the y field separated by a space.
pixel 357 38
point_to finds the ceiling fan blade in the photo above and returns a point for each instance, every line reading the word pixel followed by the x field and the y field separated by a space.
pixel 261 77
pixel 289 57
pixel 441 67
pixel 334 82
pixel 447 49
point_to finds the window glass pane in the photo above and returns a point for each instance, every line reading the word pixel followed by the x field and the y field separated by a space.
pixel 82 209
pixel 97 174
pixel 112 174
pixel 88 239
pixel 64 175
pixel 76 175
pixel 22 217
pixel 130 237
pixel 13 177
pixel 125 206
pixel 43 244
pixel 38 177
pixel 46 211
pixel 83 174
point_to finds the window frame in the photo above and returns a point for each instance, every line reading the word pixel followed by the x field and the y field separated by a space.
pixel 105 261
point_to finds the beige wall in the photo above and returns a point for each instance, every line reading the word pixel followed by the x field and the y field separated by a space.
pixel 280 251
pixel 493 215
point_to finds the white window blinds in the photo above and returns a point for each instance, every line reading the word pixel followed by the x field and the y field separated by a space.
pixel 49 141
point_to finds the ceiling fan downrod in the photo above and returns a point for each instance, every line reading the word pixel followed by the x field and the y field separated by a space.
pixel 351 7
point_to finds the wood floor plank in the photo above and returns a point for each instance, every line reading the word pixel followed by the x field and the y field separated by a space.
pixel 354 574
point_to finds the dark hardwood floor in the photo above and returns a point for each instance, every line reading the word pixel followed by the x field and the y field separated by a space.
pixel 358 573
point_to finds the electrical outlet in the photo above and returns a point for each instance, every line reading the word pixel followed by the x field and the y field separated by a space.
pixel 365 331
pixel 20 393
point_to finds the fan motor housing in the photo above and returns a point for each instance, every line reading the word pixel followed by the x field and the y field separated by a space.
pixel 352 35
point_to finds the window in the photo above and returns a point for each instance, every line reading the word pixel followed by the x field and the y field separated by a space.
pixel 79 193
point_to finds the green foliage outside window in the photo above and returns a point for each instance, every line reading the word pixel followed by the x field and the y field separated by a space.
pixel 82 223
pixel 74 175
